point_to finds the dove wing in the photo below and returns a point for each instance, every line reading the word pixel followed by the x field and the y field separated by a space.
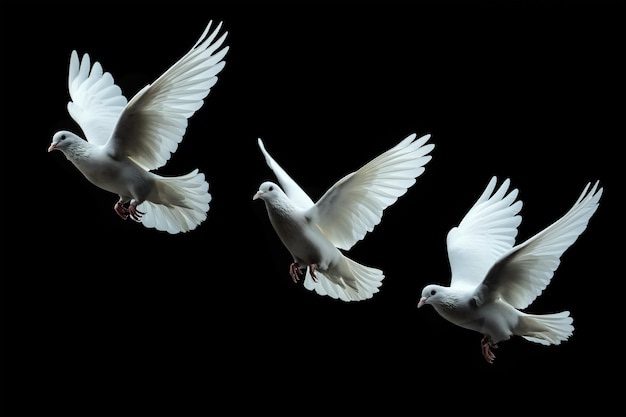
pixel 525 271
pixel 154 121
pixel 96 101
pixel 487 231
pixel 354 205
pixel 297 196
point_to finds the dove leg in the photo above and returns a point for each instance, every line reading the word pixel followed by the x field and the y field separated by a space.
pixel 295 271
pixel 486 346
pixel 120 209
pixel 312 269
pixel 134 213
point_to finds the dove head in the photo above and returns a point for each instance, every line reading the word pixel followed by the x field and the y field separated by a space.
pixel 432 294
pixel 268 191
pixel 62 140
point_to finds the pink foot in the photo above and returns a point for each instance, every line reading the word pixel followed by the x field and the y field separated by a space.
pixel 486 346
pixel 295 271
pixel 312 270
pixel 121 210
pixel 134 213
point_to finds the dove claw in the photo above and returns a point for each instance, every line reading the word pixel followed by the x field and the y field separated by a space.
pixel 312 270
pixel 294 271
pixel 121 210
pixel 134 213
pixel 486 346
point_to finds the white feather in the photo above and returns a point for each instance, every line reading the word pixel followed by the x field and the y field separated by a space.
pixel 492 281
pixel 314 233
pixel 127 141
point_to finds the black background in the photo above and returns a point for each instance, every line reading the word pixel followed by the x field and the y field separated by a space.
pixel 105 317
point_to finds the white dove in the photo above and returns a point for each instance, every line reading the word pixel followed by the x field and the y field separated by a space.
pixel 492 280
pixel 315 233
pixel 127 141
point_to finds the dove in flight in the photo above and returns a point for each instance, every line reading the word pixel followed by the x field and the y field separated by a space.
pixel 492 281
pixel 315 234
pixel 126 141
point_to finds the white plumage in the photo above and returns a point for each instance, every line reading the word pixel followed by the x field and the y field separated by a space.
pixel 315 233
pixel 127 141
pixel 492 280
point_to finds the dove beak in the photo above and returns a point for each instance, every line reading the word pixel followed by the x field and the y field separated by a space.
pixel 257 195
pixel 52 147
pixel 422 302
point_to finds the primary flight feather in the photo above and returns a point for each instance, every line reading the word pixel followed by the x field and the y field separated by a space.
pixel 316 233
pixel 492 280
pixel 126 141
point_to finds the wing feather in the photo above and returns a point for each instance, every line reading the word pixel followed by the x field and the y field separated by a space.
pixel 354 205
pixel 155 120
pixel 527 269
pixel 295 193
pixel 96 101
pixel 487 231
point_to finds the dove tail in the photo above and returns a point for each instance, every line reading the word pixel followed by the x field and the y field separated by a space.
pixel 178 204
pixel 353 282
pixel 547 329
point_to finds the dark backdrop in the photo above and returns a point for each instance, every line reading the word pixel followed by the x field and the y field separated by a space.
pixel 105 317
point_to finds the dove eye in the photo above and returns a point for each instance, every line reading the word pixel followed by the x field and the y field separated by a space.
pixel 62 137
pixel 271 188
pixel 432 292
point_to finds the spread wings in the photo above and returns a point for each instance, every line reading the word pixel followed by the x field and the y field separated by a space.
pixel 525 271
pixel 354 205
pixel 151 125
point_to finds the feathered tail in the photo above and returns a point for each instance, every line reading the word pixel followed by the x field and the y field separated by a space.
pixel 178 204
pixel 546 329
pixel 352 282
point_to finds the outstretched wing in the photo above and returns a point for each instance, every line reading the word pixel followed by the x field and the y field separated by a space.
pixel 155 120
pixel 289 186
pixel 96 101
pixel 525 271
pixel 487 231
pixel 354 205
